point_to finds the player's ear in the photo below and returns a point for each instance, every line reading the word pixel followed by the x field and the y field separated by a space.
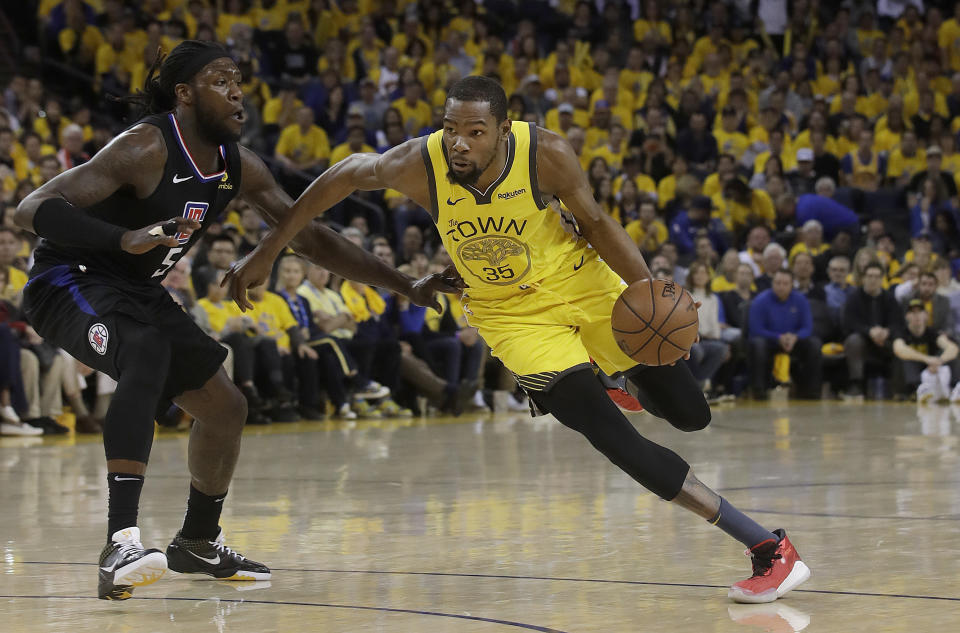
pixel 184 93
pixel 505 127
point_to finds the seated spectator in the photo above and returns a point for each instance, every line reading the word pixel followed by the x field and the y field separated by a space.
pixel 72 153
pixel 820 206
pixel 726 277
pixel 803 177
pixel 735 302
pixel 905 161
pixel 757 239
pixel 739 206
pixel 221 252
pixel 932 200
pixel 710 351
pixel 303 145
pixel 936 305
pixel 946 186
pixel 780 322
pixel 825 163
pixel 226 323
pixel 704 253
pixel 803 279
pixel 278 336
pixel 354 144
pixel 688 224
pixel 811 240
pixel 697 145
pixel 928 359
pixel 865 167
pixel 949 287
pixel 647 232
pixel 838 289
pixel 946 233
pixel 669 259
pixel 872 320
pixel 414 111
pixel 15 279
pixel 773 260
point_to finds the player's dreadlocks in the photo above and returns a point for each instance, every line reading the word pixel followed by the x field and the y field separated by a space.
pixel 166 72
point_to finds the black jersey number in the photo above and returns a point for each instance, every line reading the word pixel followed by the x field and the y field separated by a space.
pixel 501 272
pixel 167 262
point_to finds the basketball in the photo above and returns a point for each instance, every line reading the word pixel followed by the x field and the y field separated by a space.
pixel 655 322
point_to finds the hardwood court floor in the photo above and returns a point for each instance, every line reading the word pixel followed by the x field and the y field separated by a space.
pixel 505 523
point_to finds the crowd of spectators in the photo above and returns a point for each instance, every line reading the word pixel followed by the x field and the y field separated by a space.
pixel 795 165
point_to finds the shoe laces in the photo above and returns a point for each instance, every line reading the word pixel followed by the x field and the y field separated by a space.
pixel 129 547
pixel 763 562
pixel 219 545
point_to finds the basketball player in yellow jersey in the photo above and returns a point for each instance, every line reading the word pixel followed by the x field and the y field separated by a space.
pixel 540 288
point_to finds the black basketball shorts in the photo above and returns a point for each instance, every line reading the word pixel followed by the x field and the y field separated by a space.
pixel 80 312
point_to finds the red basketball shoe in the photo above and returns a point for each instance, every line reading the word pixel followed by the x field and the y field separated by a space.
pixel 777 569
pixel 626 402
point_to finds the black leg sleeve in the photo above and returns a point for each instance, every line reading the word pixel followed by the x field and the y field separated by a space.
pixel 579 401
pixel 128 426
pixel 672 393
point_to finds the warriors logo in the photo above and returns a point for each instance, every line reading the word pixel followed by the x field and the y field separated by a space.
pixel 496 259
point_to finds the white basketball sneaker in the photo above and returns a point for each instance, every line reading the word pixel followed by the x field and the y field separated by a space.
pixel 125 564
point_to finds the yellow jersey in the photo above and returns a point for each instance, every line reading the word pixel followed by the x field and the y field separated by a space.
pixel 273 314
pixel 506 239
pixel 219 313
pixel 865 174
pixel 303 148
pixel 343 150
pixel 899 166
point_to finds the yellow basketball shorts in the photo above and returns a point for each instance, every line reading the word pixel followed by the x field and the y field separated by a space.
pixel 554 327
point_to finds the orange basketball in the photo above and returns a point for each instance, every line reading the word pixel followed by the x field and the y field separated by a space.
pixel 655 322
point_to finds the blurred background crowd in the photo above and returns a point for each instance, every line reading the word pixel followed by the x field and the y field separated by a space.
pixel 793 163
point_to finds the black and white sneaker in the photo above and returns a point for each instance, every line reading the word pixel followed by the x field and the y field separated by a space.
pixel 203 556
pixel 125 564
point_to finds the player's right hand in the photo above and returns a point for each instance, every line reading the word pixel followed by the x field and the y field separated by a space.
pixel 157 234
pixel 249 272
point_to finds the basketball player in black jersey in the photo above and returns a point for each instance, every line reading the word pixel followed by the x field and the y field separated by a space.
pixel 112 229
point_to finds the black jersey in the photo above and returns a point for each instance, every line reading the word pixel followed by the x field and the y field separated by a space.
pixel 183 190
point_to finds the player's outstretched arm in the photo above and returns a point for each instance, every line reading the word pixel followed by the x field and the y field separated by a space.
pixel 135 159
pixel 559 174
pixel 316 241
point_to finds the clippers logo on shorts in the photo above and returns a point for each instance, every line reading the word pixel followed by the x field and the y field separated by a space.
pixel 193 211
pixel 98 337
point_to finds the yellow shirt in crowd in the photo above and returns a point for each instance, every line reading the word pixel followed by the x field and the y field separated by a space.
pixel 273 315
pixel 303 148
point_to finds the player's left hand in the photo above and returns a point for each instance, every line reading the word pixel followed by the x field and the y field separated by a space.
pixel 423 291
pixel 164 233
pixel 687 355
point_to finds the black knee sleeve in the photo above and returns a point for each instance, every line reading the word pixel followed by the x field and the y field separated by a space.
pixel 671 393
pixel 143 359
pixel 579 401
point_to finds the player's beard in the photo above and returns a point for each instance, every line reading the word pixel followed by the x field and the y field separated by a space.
pixel 471 177
pixel 213 127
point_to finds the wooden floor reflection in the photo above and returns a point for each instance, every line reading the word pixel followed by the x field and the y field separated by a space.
pixel 499 523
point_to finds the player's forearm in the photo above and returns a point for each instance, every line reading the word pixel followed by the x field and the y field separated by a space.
pixel 325 247
pixel 52 217
pixel 334 185
pixel 616 248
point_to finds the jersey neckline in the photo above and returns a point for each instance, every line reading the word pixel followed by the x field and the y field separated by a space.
pixel 186 152
pixel 485 197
